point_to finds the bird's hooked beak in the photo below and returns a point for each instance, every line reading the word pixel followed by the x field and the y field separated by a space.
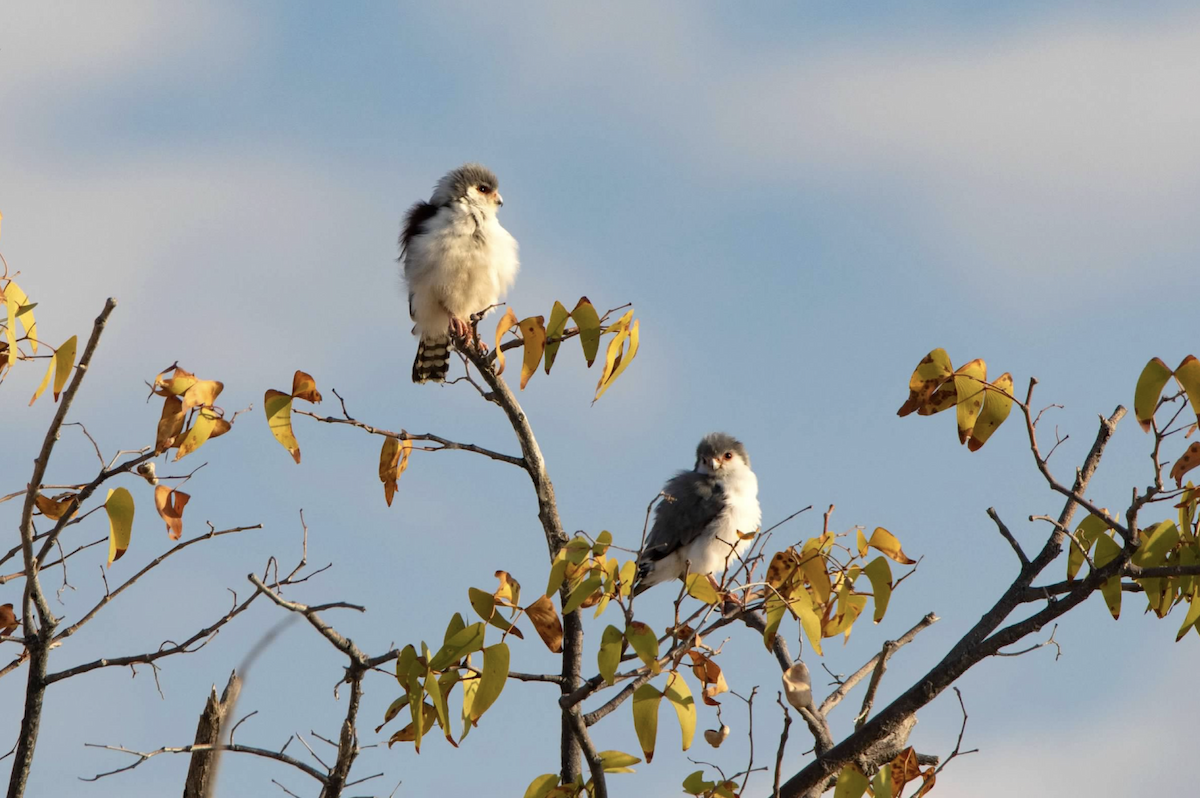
pixel 499 200
pixel 715 464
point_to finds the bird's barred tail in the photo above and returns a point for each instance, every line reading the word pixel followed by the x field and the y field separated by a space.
pixel 433 359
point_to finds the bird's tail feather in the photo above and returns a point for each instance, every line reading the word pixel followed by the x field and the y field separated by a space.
pixel 433 359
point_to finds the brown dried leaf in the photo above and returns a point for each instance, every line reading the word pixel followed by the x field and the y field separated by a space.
pixel 202 393
pixel 545 620
pixel 170 424
pixel 55 508
pixel 1189 460
pixel 8 619
pixel 393 460
pixel 305 387
pixel 170 504
pixel 175 385
pixel 506 323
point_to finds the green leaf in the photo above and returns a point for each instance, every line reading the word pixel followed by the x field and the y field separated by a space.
pixel 1088 531
pixel 434 688
pixel 645 718
pixel 470 690
pixel 464 641
pixel 585 588
pixel 542 785
pixel 1149 388
pixel 119 507
pixel 851 783
pixel 1193 614
pixel 609 656
pixel 880 574
pixel 680 696
pixel 491 682
pixel 1107 550
pixel 645 643
pixel 405 663
pixel 1188 377
pixel 588 321
pixel 456 625
pixel 558 572
pixel 603 541
pixel 484 603
pixel 618 762
pixel 558 322
pixel 695 783
pixel 700 587
pixel 1153 551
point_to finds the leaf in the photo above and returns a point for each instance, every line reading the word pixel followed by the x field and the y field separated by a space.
pixel 533 333
pixel 543 784
pixel 406 662
pixel 695 783
pixel 603 541
pixel 880 574
pixel 862 544
pixel 1189 620
pixel 680 696
pixel 456 625
pixel 609 656
pixel 278 407
pixel 812 565
pixel 700 587
pixel 626 576
pixel 1188 377
pixel 797 686
pixel 968 387
pixel 64 359
pixel 801 604
pixel 544 618
pixel 470 688
pixel 506 323
pixel 997 404
pixel 715 737
pixel 1149 388
pixel 933 370
pixel 905 768
pixel 588 322
pixel 617 761
pixel 583 591
pixel 492 680
pixel 1108 549
pixel 781 567
pixel 1086 533
pixel 23 312
pixel 119 507
pixel 170 424
pixel 886 542
pixel 613 354
pixel 881 785
pixel 170 504
pixel 509 592
pixel 176 385
pixel 202 393
pixel 50 362
pixel 414 731
pixel 645 644
pixel 484 603
pixel 8 620
pixel 393 461
pixel 1189 460
pixel 10 329
pixel 305 387
pixel 202 428
pixel 554 330
pixel 56 508
pixel 851 783
pixel 645 718
pixel 460 644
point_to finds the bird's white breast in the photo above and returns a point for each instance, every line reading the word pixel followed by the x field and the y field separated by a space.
pixel 720 545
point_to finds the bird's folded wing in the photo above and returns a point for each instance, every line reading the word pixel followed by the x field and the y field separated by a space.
pixel 691 501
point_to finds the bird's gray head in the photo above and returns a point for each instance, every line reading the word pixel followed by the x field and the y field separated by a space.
pixel 719 452
pixel 472 183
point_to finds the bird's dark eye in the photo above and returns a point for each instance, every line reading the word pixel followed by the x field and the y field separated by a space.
pixel 484 188
pixel 728 455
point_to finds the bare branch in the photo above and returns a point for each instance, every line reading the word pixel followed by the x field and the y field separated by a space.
pixel 142 756
pixel 1012 541
pixel 848 684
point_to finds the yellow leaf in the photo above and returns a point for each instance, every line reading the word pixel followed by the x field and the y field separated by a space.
pixel 202 428
pixel 644 642
pixel 645 718
pixel 506 323
pixel 178 383
pixel 393 461
pixel 1193 614
pixel 801 604
pixel 588 322
pixel 583 592
pixel 45 381
pixel 470 688
pixel 1149 388
pixel 880 574
pixel 10 329
pixel 558 323
pixel 781 567
pixel 613 354
pixel 930 373
pixel 491 682
pixel 617 761
pixel 413 731
pixel 484 603
pixel 609 656
pixel 1086 533
pixel 305 387
pixel 170 504
pixel 509 592
pixel 278 407
pixel 1188 377
pixel 695 783
pixel 23 312
pixel 882 785
pixel 463 642
pixel 56 508
pixel 700 587
pixel 434 690
pixel 119 507
pixel 626 576
pixel 202 393
pixel 541 786
pixel 533 333
pixel 1189 460
pixel 170 424
pixel 456 625
pixel 558 572
pixel 680 696
pixel 1106 550
pixel 851 783
pixel 886 542
pixel 64 359
pixel 862 544
pixel 812 565
pixel 943 398
pixel 968 387
pixel 997 404
pixel 544 618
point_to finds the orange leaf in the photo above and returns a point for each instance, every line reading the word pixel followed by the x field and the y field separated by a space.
pixel 305 387
pixel 55 508
pixel 533 333
pixel 506 323
pixel 175 385
pixel 393 460
pixel 202 393
pixel 1189 460
pixel 170 504
pixel 545 620
pixel 8 619
pixel 170 424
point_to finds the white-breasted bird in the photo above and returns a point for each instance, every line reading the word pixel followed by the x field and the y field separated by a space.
pixel 696 524
pixel 458 260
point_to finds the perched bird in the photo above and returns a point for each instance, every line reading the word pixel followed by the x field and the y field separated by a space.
pixel 458 260
pixel 696 525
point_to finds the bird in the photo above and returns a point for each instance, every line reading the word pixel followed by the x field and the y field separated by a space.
pixel 458 261
pixel 697 524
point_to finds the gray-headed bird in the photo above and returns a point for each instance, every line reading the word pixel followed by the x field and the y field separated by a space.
pixel 696 524
pixel 458 261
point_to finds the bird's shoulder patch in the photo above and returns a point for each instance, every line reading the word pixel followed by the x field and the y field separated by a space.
pixel 414 223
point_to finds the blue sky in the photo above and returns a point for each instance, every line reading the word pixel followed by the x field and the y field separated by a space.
pixel 799 201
